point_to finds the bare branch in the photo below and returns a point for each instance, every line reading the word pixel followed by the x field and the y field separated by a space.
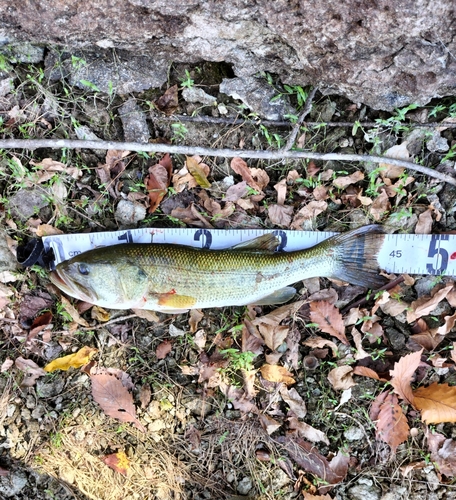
pixel 223 153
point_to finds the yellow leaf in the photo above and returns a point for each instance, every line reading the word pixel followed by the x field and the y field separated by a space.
pixel 197 171
pixel 437 403
pixel 76 360
pixel 275 373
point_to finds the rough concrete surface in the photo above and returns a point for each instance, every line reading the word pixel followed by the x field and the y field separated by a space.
pixel 380 52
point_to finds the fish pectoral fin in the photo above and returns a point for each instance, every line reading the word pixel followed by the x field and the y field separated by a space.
pixel 268 242
pixel 173 311
pixel 278 297
pixel 173 300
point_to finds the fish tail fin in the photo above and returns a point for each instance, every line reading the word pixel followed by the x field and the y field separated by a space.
pixel 356 254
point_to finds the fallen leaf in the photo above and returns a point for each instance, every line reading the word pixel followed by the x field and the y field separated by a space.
pixel 380 206
pixel 31 371
pixel 168 102
pixel 251 339
pixel 75 360
pixel 437 403
pixel 294 401
pixel 425 221
pixel 100 314
pixel 398 152
pixel 446 327
pixel 261 177
pixel 425 305
pixel 309 496
pixel 306 431
pixel 280 215
pixel 196 315
pixel 391 423
pixel 341 378
pixel 6 365
pixel 364 371
pixel 237 397
pixel 72 311
pixel 343 182
pixel 242 169
pixel 273 336
pixel 318 342
pixel 443 453
pixel 199 170
pixel 308 212
pixel 275 373
pixel 118 462
pixel 237 191
pixel 402 374
pixel 157 181
pixel 47 230
pixel 111 392
pixel 360 352
pixel 193 436
pixel 145 314
pixel 281 188
pixel 269 424
pixel 329 319
pixel 163 349
pixel 145 395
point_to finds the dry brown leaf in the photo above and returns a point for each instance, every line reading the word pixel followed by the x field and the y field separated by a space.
pixel 31 371
pixel 47 230
pixel 6 365
pixel 145 314
pixel 341 378
pixel 343 182
pixel 273 336
pixel 306 431
pixel 364 371
pixel 309 496
pixel 398 152
pixel 329 319
pixel 310 211
pixel 199 170
pixel 251 338
pixel 236 192
pixel 261 177
pixel 242 169
pixel 75 360
pixel 425 221
pixel 402 374
pixel 427 340
pixel 453 352
pixel 237 397
pixel 281 188
pixel 425 305
pixel 157 181
pixel 111 392
pixel 196 315
pixel 380 206
pixel 118 462
pixel 394 307
pixel 275 373
pixel 446 327
pixel 163 349
pixel 320 193
pixel 391 426
pixel 279 314
pixel 318 342
pixel 294 401
pixel 443 453
pixel 268 423
pixel 71 310
pixel 145 395
pixel 280 215
pixel 360 352
pixel 100 314
pixel 168 102
pixel 437 403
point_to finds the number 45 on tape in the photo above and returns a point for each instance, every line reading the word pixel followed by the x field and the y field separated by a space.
pixel 401 253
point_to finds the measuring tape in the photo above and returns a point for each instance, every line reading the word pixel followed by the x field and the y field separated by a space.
pixel 400 253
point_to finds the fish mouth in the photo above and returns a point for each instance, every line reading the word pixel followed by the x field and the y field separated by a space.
pixel 76 290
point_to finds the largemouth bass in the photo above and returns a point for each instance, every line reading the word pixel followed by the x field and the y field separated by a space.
pixel 175 278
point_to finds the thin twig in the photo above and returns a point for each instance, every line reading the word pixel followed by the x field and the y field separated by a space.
pixel 297 125
pixel 222 153
pixel 212 120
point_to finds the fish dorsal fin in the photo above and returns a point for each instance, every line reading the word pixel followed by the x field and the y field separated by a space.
pixel 268 242
pixel 278 297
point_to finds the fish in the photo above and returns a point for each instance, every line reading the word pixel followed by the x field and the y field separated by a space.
pixel 175 278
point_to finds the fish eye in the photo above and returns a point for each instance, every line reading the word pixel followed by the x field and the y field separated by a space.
pixel 83 269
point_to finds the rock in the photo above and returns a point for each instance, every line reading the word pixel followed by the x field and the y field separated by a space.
pixel 27 202
pixel 396 338
pixel 199 407
pixel 353 433
pixel 256 94
pixel 105 71
pixel 6 86
pixel 134 123
pixel 23 53
pixel 84 133
pixel 129 213
pixel 197 95
pixel 437 144
pixel 364 490
pixel 12 484
pixel 369 52
pixel 8 263
pixel 404 223
pixel 49 388
pixel 244 486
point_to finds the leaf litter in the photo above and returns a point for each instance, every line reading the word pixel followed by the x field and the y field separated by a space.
pixel 261 370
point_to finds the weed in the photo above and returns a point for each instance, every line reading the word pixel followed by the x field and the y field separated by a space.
pixel 239 360
pixel 274 140
pixel 395 122
pixel 56 439
pixel 90 85
pixel 179 131
pixel 187 82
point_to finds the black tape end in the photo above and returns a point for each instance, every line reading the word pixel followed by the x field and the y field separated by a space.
pixel 33 253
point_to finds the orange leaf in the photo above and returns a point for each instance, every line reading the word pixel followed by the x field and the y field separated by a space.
pixel 329 319
pixel 392 426
pixel 198 171
pixel 75 360
pixel 364 371
pixel 241 168
pixel 402 375
pixel 163 349
pixel 437 403
pixel 275 373
pixel 118 462
pixel 157 181
pixel 341 378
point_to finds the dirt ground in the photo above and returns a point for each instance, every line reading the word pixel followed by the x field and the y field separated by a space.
pixel 209 420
